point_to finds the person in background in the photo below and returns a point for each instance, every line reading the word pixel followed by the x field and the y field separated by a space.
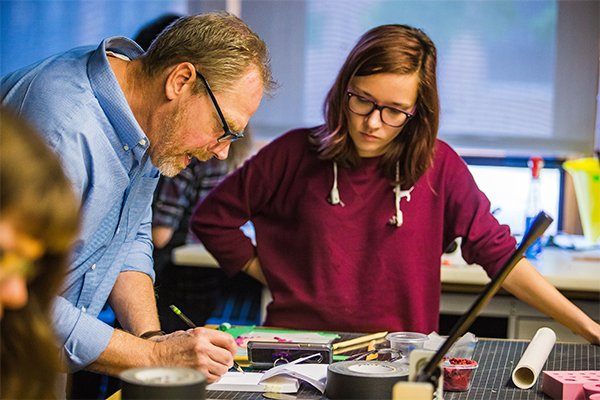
pixel 352 216
pixel 196 290
pixel 117 116
pixel 39 221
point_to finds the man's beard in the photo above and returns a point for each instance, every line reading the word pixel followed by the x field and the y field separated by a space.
pixel 167 155
pixel 169 166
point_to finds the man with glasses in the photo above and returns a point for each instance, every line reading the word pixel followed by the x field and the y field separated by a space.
pixel 117 117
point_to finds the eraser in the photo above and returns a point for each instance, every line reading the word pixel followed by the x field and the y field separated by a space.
pixel 568 385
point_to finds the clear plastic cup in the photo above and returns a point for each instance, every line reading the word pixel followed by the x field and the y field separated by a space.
pixel 458 374
pixel 405 342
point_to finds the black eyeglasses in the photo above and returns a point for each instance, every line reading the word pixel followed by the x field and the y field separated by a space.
pixel 391 116
pixel 228 134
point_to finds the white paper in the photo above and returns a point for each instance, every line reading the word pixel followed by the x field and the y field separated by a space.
pixel 254 382
pixel 314 374
pixel 531 363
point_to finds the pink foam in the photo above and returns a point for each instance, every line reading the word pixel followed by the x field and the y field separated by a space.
pixel 591 388
pixel 568 385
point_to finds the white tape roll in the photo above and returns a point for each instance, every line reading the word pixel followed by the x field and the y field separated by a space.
pixel 162 383
pixel 530 366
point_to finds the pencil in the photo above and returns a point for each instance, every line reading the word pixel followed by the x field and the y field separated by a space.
pixel 189 323
pixel 359 346
pixel 358 340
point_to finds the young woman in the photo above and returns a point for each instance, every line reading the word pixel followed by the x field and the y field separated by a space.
pixel 352 216
pixel 39 218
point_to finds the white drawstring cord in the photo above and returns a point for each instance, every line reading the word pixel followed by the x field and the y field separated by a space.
pixel 334 195
pixel 398 219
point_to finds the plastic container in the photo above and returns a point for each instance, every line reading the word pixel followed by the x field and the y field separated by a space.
pixel 405 342
pixel 533 205
pixel 586 179
pixel 458 374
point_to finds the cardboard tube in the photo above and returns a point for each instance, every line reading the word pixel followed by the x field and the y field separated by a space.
pixel 530 366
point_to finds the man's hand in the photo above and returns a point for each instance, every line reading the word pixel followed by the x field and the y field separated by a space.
pixel 207 350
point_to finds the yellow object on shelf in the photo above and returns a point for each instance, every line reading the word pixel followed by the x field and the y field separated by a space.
pixel 586 179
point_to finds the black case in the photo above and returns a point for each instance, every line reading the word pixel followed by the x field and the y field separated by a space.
pixel 268 354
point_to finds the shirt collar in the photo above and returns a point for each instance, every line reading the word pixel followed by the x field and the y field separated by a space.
pixel 109 93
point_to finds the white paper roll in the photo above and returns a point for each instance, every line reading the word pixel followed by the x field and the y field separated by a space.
pixel 530 365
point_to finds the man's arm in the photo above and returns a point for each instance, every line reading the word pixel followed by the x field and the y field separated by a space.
pixel 132 299
pixel 207 350
pixel 526 283
pixel 133 302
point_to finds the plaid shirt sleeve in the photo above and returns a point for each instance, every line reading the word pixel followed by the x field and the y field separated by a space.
pixel 174 196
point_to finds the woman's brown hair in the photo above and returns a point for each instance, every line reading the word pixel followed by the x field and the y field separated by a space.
pixel 35 196
pixel 396 49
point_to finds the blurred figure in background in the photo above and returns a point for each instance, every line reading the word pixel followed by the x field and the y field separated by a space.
pixel 39 220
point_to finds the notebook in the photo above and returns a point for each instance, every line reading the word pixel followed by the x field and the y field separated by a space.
pixel 279 379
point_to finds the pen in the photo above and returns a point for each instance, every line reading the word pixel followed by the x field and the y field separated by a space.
pixel 189 323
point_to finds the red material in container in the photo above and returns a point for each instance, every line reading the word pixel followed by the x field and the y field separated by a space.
pixel 458 374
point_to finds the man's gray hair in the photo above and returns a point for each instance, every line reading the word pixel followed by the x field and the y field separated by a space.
pixel 220 45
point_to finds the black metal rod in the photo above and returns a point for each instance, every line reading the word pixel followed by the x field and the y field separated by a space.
pixel 538 227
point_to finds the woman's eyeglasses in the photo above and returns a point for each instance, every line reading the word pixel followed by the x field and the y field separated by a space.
pixel 390 116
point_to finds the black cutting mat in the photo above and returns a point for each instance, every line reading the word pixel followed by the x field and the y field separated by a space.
pixel 498 358
pixel 492 380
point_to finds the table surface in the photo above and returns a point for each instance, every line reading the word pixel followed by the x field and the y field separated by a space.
pixel 492 380
pixel 566 270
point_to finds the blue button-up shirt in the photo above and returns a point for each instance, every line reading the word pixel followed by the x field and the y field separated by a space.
pixel 77 104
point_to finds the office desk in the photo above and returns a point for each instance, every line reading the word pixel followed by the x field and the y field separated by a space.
pixel 575 274
pixel 571 272
pixel 492 380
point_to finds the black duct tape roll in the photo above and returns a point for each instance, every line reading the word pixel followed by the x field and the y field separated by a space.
pixel 363 379
pixel 162 383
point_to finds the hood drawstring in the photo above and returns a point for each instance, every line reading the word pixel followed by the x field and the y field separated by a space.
pixel 334 195
pixel 398 218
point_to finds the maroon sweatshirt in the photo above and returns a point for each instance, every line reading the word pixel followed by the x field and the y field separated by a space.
pixel 345 268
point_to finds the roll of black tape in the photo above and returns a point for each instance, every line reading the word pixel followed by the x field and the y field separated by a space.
pixel 363 379
pixel 162 383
